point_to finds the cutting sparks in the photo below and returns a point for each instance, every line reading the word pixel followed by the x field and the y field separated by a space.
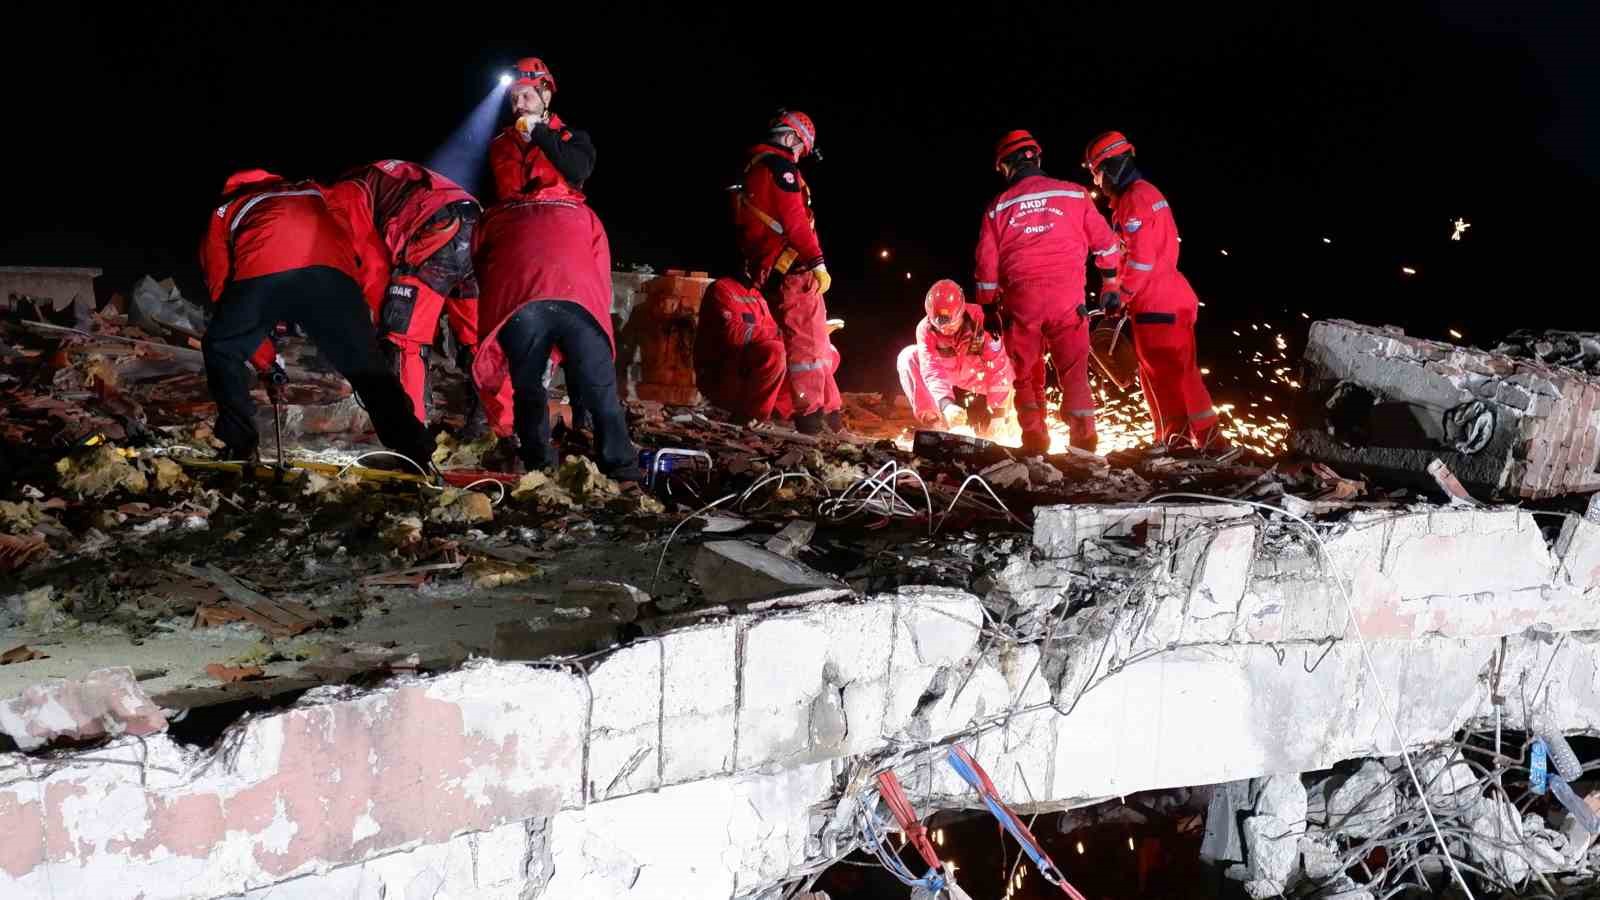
pixel 1461 226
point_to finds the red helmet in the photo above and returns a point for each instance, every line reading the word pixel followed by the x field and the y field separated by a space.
pixel 945 305
pixel 248 178
pixel 1015 142
pixel 532 70
pixel 1102 148
pixel 800 124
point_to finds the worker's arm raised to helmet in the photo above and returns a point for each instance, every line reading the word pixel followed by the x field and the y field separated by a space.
pixel 779 189
pixel 569 150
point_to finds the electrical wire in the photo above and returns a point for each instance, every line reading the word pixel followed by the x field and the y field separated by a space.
pixel 1366 656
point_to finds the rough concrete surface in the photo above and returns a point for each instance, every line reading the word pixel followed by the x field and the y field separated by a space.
pixel 710 761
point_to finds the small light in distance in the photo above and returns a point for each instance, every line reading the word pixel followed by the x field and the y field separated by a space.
pixel 1327 240
pixel 1455 334
pixel 1224 253
pixel 505 79
pixel 1461 226
pixel 883 254
pixel 1130 842
pixel 1408 270
pixel 908 276
pixel 1205 371
pixel 1080 848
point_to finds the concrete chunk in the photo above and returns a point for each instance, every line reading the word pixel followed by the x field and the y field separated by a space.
pixel 733 571
pixel 794 537
pixel 106 703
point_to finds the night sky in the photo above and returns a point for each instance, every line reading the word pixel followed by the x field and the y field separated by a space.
pixel 1269 129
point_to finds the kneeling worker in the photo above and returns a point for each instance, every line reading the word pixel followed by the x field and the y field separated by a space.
pixel 954 354
pixel 739 358
pixel 274 253
pixel 544 272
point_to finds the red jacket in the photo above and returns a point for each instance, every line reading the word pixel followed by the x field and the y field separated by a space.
pixel 1150 278
pixel 525 166
pixel 267 225
pixel 772 212
pixel 957 359
pixel 547 246
pixel 1040 229
pixel 383 204
pixel 732 317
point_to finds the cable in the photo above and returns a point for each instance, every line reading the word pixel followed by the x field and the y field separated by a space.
pixel 494 481
pixel 674 533
pixel 427 477
pixel 1366 656
pixel 980 480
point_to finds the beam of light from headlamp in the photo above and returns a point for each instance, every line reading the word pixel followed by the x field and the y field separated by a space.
pixel 463 155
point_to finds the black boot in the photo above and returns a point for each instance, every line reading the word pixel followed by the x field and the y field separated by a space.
pixel 811 423
pixel 835 420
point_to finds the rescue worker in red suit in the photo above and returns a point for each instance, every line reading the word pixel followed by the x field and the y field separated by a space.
pixel 777 239
pixel 544 267
pixel 1163 305
pixel 274 252
pixel 953 356
pixel 412 229
pixel 537 150
pixel 739 358
pixel 1032 244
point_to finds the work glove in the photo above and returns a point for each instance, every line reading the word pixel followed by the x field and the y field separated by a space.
pixel 1111 296
pixel 276 379
pixel 835 325
pixel 991 320
pixel 823 279
pixel 954 415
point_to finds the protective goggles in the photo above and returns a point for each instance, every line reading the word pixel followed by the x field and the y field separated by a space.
pixel 946 322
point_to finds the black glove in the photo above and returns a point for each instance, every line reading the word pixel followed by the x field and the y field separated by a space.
pixel 1111 302
pixel 992 322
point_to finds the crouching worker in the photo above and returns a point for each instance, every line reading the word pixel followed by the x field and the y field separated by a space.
pixel 544 273
pixel 953 356
pixel 739 358
pixel 275 253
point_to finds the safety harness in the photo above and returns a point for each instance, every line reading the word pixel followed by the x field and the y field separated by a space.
pixel 788 254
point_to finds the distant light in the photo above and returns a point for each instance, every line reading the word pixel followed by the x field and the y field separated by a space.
pixel 505 80
pixel 1130 842
pixel 1408 270
pixel 1304 316
pixel 1095 195
pixel 908 276
pixel 1205 371
pixel 883 254
pixel 1455 334
pixel 1080 848
pixel 1461 226
pixel 1224 253
pixel 1327 240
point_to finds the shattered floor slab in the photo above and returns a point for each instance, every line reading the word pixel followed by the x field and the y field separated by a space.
pixel 1381 402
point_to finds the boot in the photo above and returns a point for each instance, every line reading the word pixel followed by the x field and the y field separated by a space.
pixel 813 423
pixel 1035 443
pixel 835 420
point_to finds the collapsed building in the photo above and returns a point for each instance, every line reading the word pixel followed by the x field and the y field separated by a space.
pixel 321 684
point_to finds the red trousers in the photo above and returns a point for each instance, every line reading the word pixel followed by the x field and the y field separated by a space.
pixel 414 306
pixel 1169 375
pixel 803 322
pixel 915 384
pixel 1041 320
pixel 750 383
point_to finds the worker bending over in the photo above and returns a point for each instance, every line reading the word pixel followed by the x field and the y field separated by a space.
pixel 1163 305
pixel 954 360
pixel 1032 244
pixel 274 253
pixel 777 238
pixel 412 229
pixel 544 266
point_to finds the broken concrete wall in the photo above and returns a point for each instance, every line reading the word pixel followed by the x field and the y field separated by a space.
pixel 1379 401
pixel 59 286
pixel 723 760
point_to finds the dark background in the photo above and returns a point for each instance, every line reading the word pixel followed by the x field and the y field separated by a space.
pixel 1269 127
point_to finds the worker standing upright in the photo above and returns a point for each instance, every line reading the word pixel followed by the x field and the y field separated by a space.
pixel 1163 305
pixel 1032 244
pixel 544 265
pixel 777 238
pixel 274 253
pixel 412 229
pixel 537 150
pixel 954 356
